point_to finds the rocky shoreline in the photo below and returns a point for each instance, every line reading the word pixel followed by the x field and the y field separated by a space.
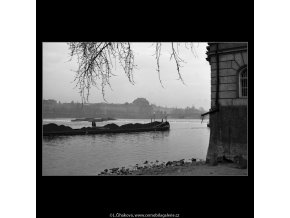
pixel 193 167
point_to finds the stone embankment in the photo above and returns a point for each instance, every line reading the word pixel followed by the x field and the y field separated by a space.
pixel 193 167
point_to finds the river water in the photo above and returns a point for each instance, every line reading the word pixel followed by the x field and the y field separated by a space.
pixel 91 154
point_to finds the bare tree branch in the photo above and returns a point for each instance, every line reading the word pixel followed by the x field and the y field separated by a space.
pixel 95 63
pixel 157 54
pixel 178 60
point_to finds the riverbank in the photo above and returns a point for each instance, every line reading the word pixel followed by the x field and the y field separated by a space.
pixel 179 168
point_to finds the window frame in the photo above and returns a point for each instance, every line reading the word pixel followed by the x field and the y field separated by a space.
pixel 240 71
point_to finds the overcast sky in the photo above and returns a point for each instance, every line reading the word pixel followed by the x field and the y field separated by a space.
pixel 58 77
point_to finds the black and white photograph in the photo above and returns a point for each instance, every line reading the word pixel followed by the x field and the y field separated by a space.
pixel 115 109
pixel 145 108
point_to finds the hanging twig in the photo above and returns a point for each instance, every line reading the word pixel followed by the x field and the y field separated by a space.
pixel 95 63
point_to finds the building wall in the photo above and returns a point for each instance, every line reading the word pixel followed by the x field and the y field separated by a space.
pixel 228 136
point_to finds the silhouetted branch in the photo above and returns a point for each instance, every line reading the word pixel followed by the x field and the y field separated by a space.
pixel 178 60
pixel 95 63
pixel 157 54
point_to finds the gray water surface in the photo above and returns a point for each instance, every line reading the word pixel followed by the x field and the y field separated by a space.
pixel 91 154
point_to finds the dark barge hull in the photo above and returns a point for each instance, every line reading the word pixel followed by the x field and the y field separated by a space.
pixel 92 119
pixel 104 131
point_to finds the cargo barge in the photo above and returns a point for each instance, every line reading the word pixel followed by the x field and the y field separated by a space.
pixel 55 130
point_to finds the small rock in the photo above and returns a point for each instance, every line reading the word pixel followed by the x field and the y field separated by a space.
pixel 114 169
pixel 168 163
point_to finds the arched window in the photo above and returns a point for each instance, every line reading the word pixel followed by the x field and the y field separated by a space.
pixel 243 83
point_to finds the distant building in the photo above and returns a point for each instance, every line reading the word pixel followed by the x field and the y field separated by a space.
pixel 229 100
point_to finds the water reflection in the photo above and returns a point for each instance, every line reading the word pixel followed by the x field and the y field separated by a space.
pixel 160 135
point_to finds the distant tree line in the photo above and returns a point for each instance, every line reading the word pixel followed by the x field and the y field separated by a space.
pixel 139 108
